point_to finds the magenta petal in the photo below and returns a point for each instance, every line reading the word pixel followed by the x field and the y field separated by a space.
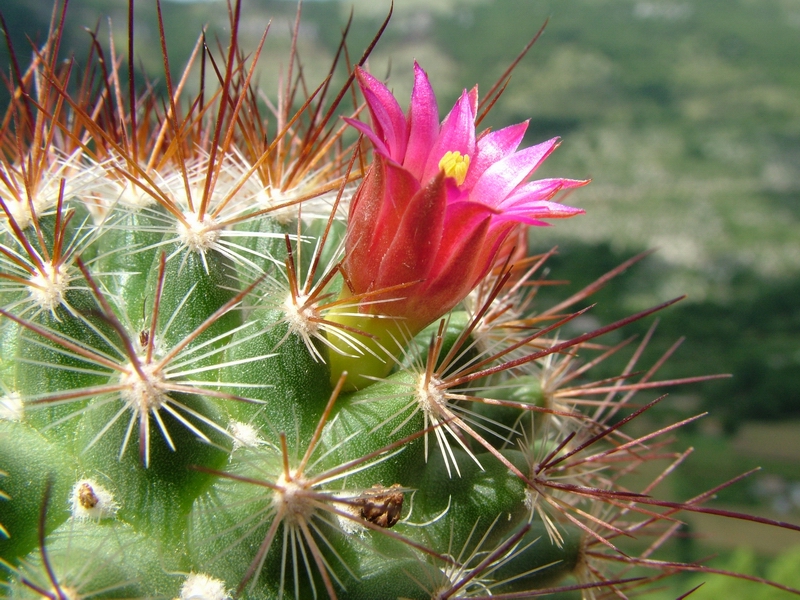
pixel 501 179
pixel 400 187
pixel 365 207
pixel 388 120
pixel 534 191
pixel 473 99
pixel 539 190
pixel 394 137
pixel 531 212
pixel 377 142
pixel 463 258
pixel 375 219
pixel 457 134
pixel 493 147
pixel 410 254
pixel 423 123
pixel 461 221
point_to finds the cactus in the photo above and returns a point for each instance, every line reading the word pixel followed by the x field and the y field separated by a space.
pixel 233 366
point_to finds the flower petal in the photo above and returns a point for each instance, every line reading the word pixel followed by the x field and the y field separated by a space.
pixel 364 210
pixel 377 142
pixel 463 260
pixel 461 220
pixel 411 254
pixel 531 213
pixel 473 99
pixel 388 120
pixel 536 191
pixel 399 188
pixel 492 147
pixel 502 178
pixel 375 215
pixel 423 123
pixel 457 134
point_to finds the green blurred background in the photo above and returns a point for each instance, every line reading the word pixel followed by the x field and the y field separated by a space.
pixel 686 116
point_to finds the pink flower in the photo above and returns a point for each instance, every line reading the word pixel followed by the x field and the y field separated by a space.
pixel 438 201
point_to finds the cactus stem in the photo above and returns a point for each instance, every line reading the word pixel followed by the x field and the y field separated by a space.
pixel 297 498
pixel 304 302
pixel 131 227
pixel 12 408
pixel 434 395
pixel 147 379
pixel 309 297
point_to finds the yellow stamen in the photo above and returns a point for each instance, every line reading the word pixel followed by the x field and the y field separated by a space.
pixel 455 165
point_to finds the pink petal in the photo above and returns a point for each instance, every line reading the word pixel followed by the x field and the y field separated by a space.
pixel 377 142
pixel 461 221
pixel 423 123
pixel 541 189
pixel 492 147
pixel 400 187
pixel 388 120
pixel 457 134
pixel 501 179
pixel 364 210
pixel 532 212
pixel 473 99
pixel 411 254
pixel 462 259
pixel 375 215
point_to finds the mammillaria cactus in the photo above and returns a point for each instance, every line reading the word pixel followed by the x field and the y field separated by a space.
pixel 269 351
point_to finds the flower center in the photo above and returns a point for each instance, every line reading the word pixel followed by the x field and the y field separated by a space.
pixel 455 165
